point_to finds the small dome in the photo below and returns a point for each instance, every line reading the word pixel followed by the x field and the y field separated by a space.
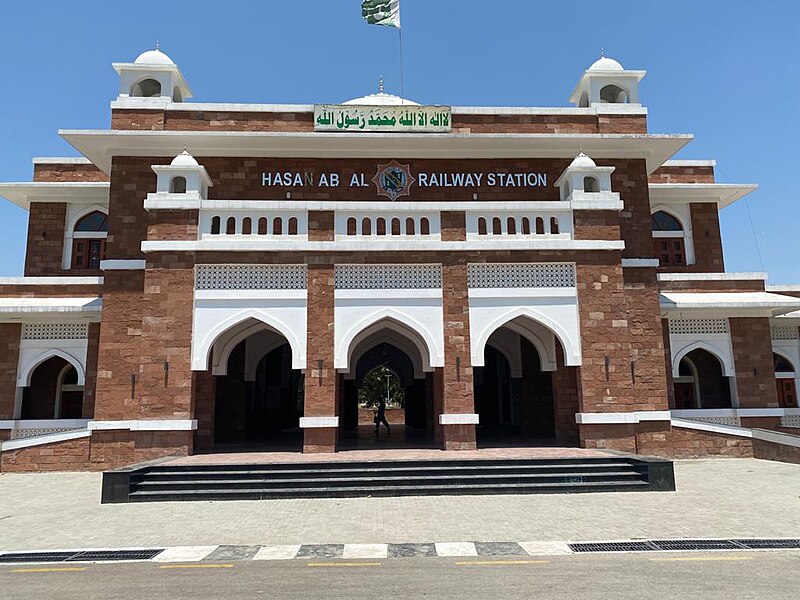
pixel 184 159
pixel 381 99
pixel 153 57
pixel 606 64
pixel 582 162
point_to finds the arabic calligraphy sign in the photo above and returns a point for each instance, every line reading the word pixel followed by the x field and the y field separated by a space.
pixel 396 119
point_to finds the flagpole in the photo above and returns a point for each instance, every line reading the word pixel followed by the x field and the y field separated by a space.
pixel 402 88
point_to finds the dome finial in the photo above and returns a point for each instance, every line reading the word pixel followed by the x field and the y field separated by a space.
pixel 380 85
pixel 158 44
pixel 602 52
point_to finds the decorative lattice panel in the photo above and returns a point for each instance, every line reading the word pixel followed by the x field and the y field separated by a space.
pixel 23 434
pixel 251 277
pixel 784 332
pixel 698 326
pixel 388 277
pixel 522 275
pixel 55 331
pixel 790 421
pixel 733 421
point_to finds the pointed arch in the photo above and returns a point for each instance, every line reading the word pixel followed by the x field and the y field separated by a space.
pixel 393 338
pixel 787 357
pixel 726 362
pixel 26 371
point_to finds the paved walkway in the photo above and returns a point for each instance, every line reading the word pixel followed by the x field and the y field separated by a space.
pixel 735 498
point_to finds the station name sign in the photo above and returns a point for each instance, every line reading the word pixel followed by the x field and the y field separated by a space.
pixel 409 118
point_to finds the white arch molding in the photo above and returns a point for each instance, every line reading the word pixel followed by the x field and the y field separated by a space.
pixel 69 232
pixel 787 356
pixel 256 348
pixel 234 328
pixel 26 370
pixel 728 369
pixel 394 338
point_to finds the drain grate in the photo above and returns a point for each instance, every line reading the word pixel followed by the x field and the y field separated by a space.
pixel 612 547
pixel 79 556
pixel 696 545
pixel 769 544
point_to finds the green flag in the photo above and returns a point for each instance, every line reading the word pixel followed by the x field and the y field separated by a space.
pixel 381 12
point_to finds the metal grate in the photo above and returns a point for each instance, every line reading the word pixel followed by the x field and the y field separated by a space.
pixel 521 275
pixel 696 545
pixel 612 547
pixel 251 277
pixel 388 277
pixel 784 332
pixel 769 544
pixel 55 331
pixel 80 556
pixel 698 326
pixel 673 545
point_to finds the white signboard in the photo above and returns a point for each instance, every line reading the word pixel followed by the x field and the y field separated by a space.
pixel 391 119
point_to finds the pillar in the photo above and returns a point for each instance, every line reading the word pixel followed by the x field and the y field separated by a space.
pixel 9 357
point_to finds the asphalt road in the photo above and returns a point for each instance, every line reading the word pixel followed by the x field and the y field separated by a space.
pixel 761 575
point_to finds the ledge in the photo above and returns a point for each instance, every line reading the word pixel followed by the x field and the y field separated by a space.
pixel 459 419
pixel 52 438
pixel 318 422
pixel 51 280
pixel 712 276
pixel 122 265
pixel 144 425
pixel 712 427
pixel 621 417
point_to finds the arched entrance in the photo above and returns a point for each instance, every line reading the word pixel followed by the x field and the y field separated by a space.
pixel 785 375
pixel 524 394
pixel 701 382
pixel 54 392
pixel 388 359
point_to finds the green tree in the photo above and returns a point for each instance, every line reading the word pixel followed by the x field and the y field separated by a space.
pixel 374 388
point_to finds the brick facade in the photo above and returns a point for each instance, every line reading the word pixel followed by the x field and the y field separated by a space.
pixel 9 355
pixel 45 250
pixel 751 339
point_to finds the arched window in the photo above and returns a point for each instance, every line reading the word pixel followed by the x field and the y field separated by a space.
pixel 395 226
pixel 366 226
pixel 481 226
pixel 701 382
pixel 53 392
pixel 782 365
pixel 511 226
pixel 215 225
pixel 668 239
pixel 613 94
pixel 663 221
pixel 89 241
pixel 526 226
pixel 584 101
pixel 590 184
pixel 147 88
pixel 262 226
pixel 497 226
pixel 230 226
pixel 292 226
pixel 177 185
pixel 784 378
pixel 247 226
pixel 554 225
pixel 424 226
pixel 539 226
pixel 277 226
pixel 351 226
pixel 410 226
pixel 380 226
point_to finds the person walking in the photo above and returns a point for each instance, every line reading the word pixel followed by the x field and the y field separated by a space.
pixel 380 417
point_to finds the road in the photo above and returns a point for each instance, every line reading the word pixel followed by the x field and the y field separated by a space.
pixel 730 576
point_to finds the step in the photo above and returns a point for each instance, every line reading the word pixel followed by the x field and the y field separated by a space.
pixel 362 492
pixel 446 480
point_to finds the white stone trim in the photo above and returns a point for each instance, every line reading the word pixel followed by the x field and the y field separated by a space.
pixel 776 437
pixel 794 287
pixel 622 417
pixel 44 423
pixel 712 276
pixel 641 262
pixel 690 163
pixel 61 160
pixel 318 422
pixel 145 425
pixel 761 412
pixel 364 294
pixel 122 265
pixel 51 280
pixel 712 427
pixel 459 419
pixel 43 439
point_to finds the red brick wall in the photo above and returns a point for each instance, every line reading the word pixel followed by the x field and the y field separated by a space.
pixel 90 385
pixel 49 291
pixel 204 409
pixel 691 443
pixel 321 226
pixel 45 250
pixel 751 339
pixel 707 238
pixel 69 455
pixel 668 363
pixel 67 172
pixel 454 226
pixel 630 180
pixel 596 225
pixel 683 175
pixel 146 120
pixel 565 399
pixel 131 180
pixel 114 449
pixel 737 285
pixel 779 452
pixel 173 225
pixel 9 355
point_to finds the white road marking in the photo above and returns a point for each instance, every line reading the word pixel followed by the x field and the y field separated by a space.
pixel 456 549
pixel 185 553
pixel 365 551
pixel 277 552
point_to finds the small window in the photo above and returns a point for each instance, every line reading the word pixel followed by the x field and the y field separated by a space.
pixel 481 226
pixel 292 226
pixel 395 226
pixel 497 226
pixel 380 227
pixel 262 226
pixel 147 88
pixel 613 94
pixel 670 251
pixel 553 225
pixel 247 226
pixel 511 226
pixel 539 226
pixel 781 364
pixel 215 225
pixel 87 253
pixel 351 226
pixel 277 226
pixel 424 226
pixel 94 221
pixel 230 227
pixel 366 226
pixel 410 226
pixel 590 184
pixel 662 221
pixel 526 226
pixel 177 185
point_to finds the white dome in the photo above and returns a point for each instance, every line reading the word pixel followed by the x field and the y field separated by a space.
pixel 381 99
pixel 184 159
pixel 606 64
pixel 582 162
pixel 153 57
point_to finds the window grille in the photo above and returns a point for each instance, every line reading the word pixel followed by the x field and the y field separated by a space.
pixel 251 277
pixel 388 277
pixel 784 332
pixel 698 326
pixel 55 331
pixel 521 275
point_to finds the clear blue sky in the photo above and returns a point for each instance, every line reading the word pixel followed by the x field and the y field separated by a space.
pixel 724 70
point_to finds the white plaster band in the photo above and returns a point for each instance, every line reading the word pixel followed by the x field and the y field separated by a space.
pixel 44 424
pixel 774 437
pixel 640 262
pixel 145 425
pixel 712 427
pixel 625 417
pixel 318 422
pixel 122 265
pixel 458 419
pixel 51 280
pixel 43 439
pixel 711 276
pixel 761 412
